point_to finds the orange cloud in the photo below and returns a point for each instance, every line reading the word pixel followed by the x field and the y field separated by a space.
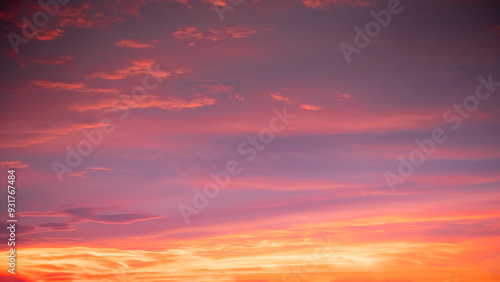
pixel 171 104
pixel 216 2
pixel 58 85
pixel 80 16
pixel 45 34
pixel 78 174
pixel 146 66
pixel 188 33
pixel 286 100
pixel 13 164
pixel 278 97
pixel 310 107
pixel 79 87
pixel 131 43
pixel 24 138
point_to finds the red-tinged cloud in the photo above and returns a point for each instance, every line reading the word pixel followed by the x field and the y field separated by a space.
pixel 13 164
pixel 14 278
pixel 145 66
pixel 104 169
pixel 175 104
pixel 27 137
pixel 178 104
pixel 216 2
pixel 9 15
pixel 78 87
pixel 131 43
pixel 311 107
pixel 325 4
pixel 49 34
pixel 164 103
pixel 190 33
pixel 47 60
pixel 81 174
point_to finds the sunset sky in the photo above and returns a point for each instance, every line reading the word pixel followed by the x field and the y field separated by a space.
pixel 117 114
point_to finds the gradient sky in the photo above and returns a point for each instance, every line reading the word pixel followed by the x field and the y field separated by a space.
pixel 320 182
